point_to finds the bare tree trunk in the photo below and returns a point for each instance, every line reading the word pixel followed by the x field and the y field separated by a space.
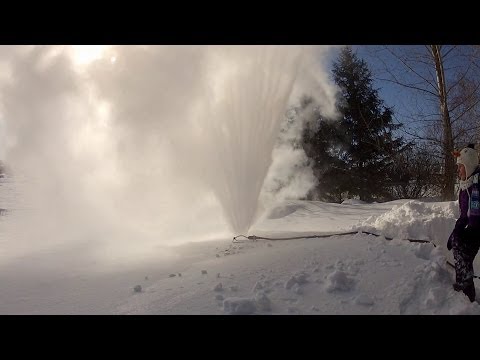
pixel 458 101
pixel 448 146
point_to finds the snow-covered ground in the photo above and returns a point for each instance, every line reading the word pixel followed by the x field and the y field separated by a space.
pixel 354 274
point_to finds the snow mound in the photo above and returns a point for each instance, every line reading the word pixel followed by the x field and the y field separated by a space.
pixel 262 301
pixel 299 278
pixel 363 299
pixel 414 220
pixel 353 202
pixel 338 280
pixel 283 210
pixel 239 306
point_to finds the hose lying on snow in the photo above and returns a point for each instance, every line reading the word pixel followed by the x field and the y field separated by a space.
pixel 255 238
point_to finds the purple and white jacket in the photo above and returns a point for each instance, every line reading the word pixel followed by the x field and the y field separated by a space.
pixel 469 203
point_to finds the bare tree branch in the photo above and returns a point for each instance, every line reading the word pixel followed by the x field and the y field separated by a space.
pixel 396 81
pixel 459 80
pixel 449 51
pixel 466 110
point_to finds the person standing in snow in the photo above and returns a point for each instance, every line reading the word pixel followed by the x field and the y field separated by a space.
pixel 465 237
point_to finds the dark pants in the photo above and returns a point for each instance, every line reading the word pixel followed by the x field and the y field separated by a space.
pixel 464 252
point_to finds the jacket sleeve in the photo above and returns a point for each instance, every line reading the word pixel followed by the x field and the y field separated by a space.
pixel 462 221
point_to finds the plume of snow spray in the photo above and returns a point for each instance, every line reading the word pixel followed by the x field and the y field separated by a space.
pixel 143 145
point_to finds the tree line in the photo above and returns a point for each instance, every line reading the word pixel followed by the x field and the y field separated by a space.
pixel 372 152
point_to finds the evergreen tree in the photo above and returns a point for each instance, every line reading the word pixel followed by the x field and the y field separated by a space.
pixel 355 154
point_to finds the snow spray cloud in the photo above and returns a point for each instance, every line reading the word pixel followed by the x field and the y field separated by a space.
pixel 291 176
pixel 156 144
pixel 54 138
pixel 220 107
pixel 256 84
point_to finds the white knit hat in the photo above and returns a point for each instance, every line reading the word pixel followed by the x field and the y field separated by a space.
pixel 469 158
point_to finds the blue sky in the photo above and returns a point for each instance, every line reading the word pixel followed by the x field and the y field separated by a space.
pixel 405 102
pixel 408 103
